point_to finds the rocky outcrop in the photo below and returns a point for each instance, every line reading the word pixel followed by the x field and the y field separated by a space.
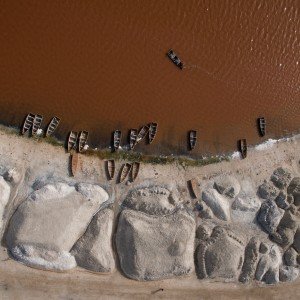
pixel 267 191
pixel 93 251
pixel 153 248
pixel 51 218
pixel 287 273
pixel 4 197
pixel 291 257
pixel 227 185
pixel 281 178
pixel 294 190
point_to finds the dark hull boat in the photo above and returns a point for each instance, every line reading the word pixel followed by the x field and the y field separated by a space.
pixel 83 136
pixel 194 187
pixel 117 139
pixel 74 163
pixel 243 147
pixel 132 138
pixel 110 168
pixel 28 123
pixel 52 126
pixel 192 139
pixel 152 131
pixel 175 59
pixel 261 126
pixel 135 170
pixel 125 171
pixel 72 140
pixel 142 133
pixel 37 122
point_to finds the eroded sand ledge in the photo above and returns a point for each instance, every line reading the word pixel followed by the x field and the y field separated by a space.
pixel 247 229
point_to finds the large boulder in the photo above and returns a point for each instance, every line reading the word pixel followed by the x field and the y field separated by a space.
pixel 217 203
pixel 296 243
pixel 153 248
pixel 4 197
pixel 294 190
pixel 227 185
pixel 93 251
pixel 290 257
pixel 281 178
pixel 267 191
pixel 287 273
pixel 52 218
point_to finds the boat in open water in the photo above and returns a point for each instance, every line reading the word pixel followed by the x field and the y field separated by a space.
pixel 125 171
pixel 192 139
pixel 83 136
pixel 135 170
pixel 110 169
pixel 142 133
pixel 52 126
pixel 37 122
pixel 28 123
pixel 194 187
pixel 72 140
pixel 262 126
pixel 117 139
pixel 152 131
pixel 175 59
pixel 132 138
pixel 243 147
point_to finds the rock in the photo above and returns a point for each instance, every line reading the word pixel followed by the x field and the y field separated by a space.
pixel 227 185
pixel 294 189
pixel 4 197
pixel 271 276
pixel 217 203
pixel 154 200
pixel 153 248
pixel 13 175
pixel 202 233
pixel 250 260
pixel 263 248
pixel 269 216
pixel 246 204
pixel 287 273
pixel 93 251
pixel 205 212
pixel 221 256
pixel 267 191
pixel 51 218
pixel 281 178
pixel 283 201
pixel 296 243
pixel 290 257
pixel 92 192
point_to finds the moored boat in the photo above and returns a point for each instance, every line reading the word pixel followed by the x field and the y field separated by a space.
pixel 117 139
pixel 125 171
pixel 135 170
pixel 132 138
pixel 72 140
pixel 74 163
pixel 175 59
pixel 110 169
pixel 83 136
pixel 28 123
pixel 243 147
pixel 192 139
pixel 52 126
pixel 194 187
pixel 142 133
pixel 152 131
pixel 262 125
pixel 37 122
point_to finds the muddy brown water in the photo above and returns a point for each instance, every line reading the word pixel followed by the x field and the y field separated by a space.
pixel 102 65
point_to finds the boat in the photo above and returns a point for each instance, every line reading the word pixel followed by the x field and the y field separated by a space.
pixel 152 131
pixel 142 133
pixel 132 138
pixel 262 125
pixel 72 140
pixel 110 169
pixel 175 59
pixel 117 139
pixel 125 171
pixel 243 147
pixel 192 139
pixel 83 136
pixel 37 122
pixel 52 126
pixel 194 188
pixel 74 163
pixel 28 123
pixel 135 170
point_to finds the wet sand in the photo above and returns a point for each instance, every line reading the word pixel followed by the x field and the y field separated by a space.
pixel 102 65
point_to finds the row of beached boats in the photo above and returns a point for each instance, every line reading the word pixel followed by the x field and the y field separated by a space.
pixel 130 170
pixel 77 141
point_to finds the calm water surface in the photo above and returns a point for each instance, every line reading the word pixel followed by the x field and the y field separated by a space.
pixel 102 65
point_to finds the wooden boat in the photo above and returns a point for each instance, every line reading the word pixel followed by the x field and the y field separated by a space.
pixel 262 125
pixel 194 188
pixel 37 122
pixel 72 140
pixel 243 147
pixel 52 126
pixel 28 123
pixel 74 163
pixel 125 171
pixel 83 136
pixel 192 139
pixel 132 138
pixel 175 59
pixel 152 131
pixel 117 139
pixel 135 170
pixel 142 133
pixel 110 169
